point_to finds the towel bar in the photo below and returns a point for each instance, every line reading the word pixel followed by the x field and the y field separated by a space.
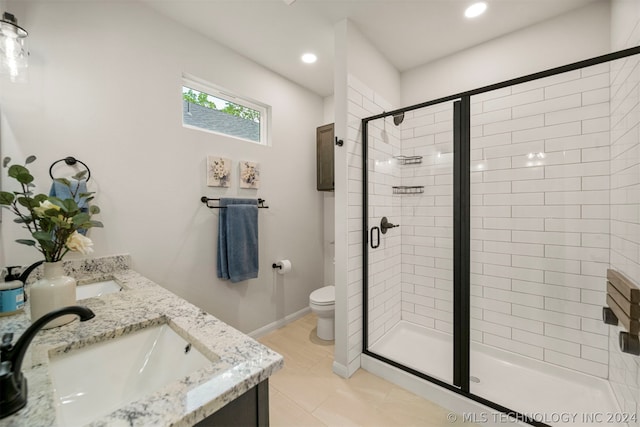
pixel 206 200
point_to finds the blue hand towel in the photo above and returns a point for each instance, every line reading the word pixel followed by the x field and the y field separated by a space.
pixel 76 187
pixel 237 258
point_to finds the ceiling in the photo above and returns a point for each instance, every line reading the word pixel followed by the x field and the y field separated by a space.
pixel 407 32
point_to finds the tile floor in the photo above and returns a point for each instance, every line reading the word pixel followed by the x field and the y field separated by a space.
pixel 307 393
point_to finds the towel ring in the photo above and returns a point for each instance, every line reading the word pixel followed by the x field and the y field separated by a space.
pixel 70 160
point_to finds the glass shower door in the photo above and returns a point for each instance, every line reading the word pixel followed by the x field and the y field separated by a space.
pixel 409 252
pixel 540 228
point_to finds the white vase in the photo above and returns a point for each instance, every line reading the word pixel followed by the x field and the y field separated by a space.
pixel 53 291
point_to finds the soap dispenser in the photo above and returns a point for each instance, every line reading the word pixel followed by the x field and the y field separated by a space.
pixel 11 293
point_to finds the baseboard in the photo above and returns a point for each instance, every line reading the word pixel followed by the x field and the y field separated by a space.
pixel 279 323
pixel 346 371
pixel 340 370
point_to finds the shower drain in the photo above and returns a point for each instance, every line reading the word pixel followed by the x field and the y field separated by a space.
pixel 474 379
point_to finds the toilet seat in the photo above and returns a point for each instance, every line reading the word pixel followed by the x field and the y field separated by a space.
pixel 323 296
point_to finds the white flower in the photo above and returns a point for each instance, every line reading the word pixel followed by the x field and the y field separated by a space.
pixel 45 206
pixel 79 243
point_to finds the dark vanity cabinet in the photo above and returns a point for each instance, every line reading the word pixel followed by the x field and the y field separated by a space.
pixel 324 157
pixel 249 409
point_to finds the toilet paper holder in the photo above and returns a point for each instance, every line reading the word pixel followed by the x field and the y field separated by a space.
pixel 283 266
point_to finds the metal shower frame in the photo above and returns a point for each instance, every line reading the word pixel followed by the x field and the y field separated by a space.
pixel 461 228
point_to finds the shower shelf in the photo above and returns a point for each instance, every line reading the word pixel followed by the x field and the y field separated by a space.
pixel 414 189
pixel 409 160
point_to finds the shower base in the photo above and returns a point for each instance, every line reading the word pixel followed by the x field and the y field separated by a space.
pixel 549 393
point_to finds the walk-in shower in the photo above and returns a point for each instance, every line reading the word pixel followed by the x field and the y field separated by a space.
pixel 509 200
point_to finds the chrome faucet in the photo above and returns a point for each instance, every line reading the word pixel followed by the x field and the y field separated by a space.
pixel 13 385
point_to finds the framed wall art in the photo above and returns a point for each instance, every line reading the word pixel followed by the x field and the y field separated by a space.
pixel 249 174
pixel 218 171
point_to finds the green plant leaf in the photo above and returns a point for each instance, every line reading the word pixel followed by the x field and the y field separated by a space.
pixel 6 198
pixel 28 202
pixel 64 181
pixel 48 246
pixel 53 213
pixel 6 161
pixel 60 221
pixel 27 242
pixel 25 178
pixel 94 209
pixel 20 220
pixel 57 202
pixel 15 170
pixel 30 159
pixel 40 198
pixel 70 205
pixel 42 236
pixel 24 201
pixel 96 224
pixel 46 225
pixel 80 175
pixel 81 218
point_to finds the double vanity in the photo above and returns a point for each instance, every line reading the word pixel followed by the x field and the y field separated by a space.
pixel 147 358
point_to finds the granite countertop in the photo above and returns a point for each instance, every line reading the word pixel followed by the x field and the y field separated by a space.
pixel 240 362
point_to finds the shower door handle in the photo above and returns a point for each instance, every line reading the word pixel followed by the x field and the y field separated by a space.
pixel 385 225
pixel 377 229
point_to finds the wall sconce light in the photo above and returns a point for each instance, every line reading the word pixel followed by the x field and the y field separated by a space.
pixel 13 48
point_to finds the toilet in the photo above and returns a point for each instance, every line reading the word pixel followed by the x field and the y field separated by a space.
pixel 323 303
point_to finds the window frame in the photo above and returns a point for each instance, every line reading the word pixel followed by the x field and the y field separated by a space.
pixel 227 95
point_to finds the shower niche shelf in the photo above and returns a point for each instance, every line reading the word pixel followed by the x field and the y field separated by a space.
pixel 412 189
pixel 409 160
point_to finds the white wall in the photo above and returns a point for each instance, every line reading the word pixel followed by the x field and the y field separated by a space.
pixel 355 57
pixel 329 208
pixel 105 87
pixel 372 68
pixel 565 39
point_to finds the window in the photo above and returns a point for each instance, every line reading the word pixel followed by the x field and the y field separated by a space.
pixel 210 108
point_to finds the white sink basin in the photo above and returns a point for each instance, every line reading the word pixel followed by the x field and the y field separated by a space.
pixel 96 380
pixel 96 289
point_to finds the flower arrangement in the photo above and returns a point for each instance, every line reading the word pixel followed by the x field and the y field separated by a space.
pixel 53 223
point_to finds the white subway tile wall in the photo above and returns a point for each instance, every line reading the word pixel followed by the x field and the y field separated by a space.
pixel 426 220
pixel 384 272
pixel 540 198
pixel 624 369
pixel 555 202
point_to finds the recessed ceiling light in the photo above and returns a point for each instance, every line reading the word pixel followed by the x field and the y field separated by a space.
pixel 309 58
pixel 475 10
